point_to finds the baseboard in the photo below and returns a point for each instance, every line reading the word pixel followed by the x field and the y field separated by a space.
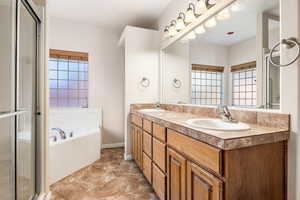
pixel 127 156
pixel 114 145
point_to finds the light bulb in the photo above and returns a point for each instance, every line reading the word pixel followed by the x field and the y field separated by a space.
pixel 200 7
pixel 166 32
pixel 224 14
pixel 180 22
pixel 191 35
pixel 213 2
pixel 211 23
pixel 172 29
pixel 184 40
pixel 190 14
pixel 200 29
pixel 236 7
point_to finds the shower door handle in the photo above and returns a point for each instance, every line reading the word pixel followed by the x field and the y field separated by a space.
pixel 7 114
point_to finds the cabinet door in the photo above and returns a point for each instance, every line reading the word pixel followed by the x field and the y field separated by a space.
pixel 176 176
pixel 147 144
pixel 159 182
pixel 139 143
pixel 201 185
pixel 147 167
pixel 159 154
pixel 133 142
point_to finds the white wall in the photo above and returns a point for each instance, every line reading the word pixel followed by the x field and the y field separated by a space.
pixel 177 66
pixel 106 69
pixel 141 48
pixel 290 93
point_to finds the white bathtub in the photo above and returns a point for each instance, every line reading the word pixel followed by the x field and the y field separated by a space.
pixel 74 153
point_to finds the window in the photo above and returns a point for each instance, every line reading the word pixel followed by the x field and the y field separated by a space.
pixel 68 79
pixel 207 84
pixel 244 85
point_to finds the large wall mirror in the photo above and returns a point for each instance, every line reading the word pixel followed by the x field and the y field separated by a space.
pixel 225 60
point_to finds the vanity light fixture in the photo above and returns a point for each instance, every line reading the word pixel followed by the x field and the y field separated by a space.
pixel 166 32
pixel 212 2
pixel 224 14
pixel 237 6
pixel 191 35
pixel 190 13
pixel 200 7
pixel 172 28
pixel 180 24
pixel 211 23
pixel 200 30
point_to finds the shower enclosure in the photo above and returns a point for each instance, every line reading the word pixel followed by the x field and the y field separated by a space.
pixel 18 74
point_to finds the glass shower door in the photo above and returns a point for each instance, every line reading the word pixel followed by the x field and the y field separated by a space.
pixel 26 102
pixel 7 109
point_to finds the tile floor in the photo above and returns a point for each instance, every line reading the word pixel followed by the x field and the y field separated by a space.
pixel 110 178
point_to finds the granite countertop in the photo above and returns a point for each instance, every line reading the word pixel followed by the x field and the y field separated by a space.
pixel 226 140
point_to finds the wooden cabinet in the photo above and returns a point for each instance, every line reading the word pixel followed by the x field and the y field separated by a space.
pixel 136 134
pixel 147 167
pixel 201 185
pixel 203 154
pixel 176 176
pixel 159 132
pixel 159 154
pixel 159 182
pixel 147 144
pixel 182 168
pixel 147 126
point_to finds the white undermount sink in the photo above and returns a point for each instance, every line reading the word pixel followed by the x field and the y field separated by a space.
pixel 218 124
pixel 152 110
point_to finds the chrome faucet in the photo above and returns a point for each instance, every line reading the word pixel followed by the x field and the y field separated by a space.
pixel 225 114
pixel 54 138
pixel 61 133
pixel 157 105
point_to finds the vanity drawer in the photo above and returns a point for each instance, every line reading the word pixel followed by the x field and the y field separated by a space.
pixel 159 182
pixel 147 126
pixel 203 154
pixel 137 120
pixel 147 167
pixel 147 144
pixel 159 132
pixel 159 154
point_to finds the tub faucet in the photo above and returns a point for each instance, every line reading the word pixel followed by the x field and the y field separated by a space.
pixel 225 114
pixel 61 133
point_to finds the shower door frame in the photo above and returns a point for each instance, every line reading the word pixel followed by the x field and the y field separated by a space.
pixel 31 8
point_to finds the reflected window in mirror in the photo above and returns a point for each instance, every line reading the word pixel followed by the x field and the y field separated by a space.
pixel 207 84
pixel 244 85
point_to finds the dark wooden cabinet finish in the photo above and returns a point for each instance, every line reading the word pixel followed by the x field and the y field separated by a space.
pixel 257 172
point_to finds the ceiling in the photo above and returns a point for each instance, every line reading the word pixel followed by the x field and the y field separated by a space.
pixel 109 13
pixel 243 23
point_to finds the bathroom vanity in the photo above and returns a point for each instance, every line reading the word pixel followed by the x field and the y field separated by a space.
pixel 182 161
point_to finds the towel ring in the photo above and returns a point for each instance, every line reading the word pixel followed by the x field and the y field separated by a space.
pixel 289 43
pixel 177 83
pixel 145 82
